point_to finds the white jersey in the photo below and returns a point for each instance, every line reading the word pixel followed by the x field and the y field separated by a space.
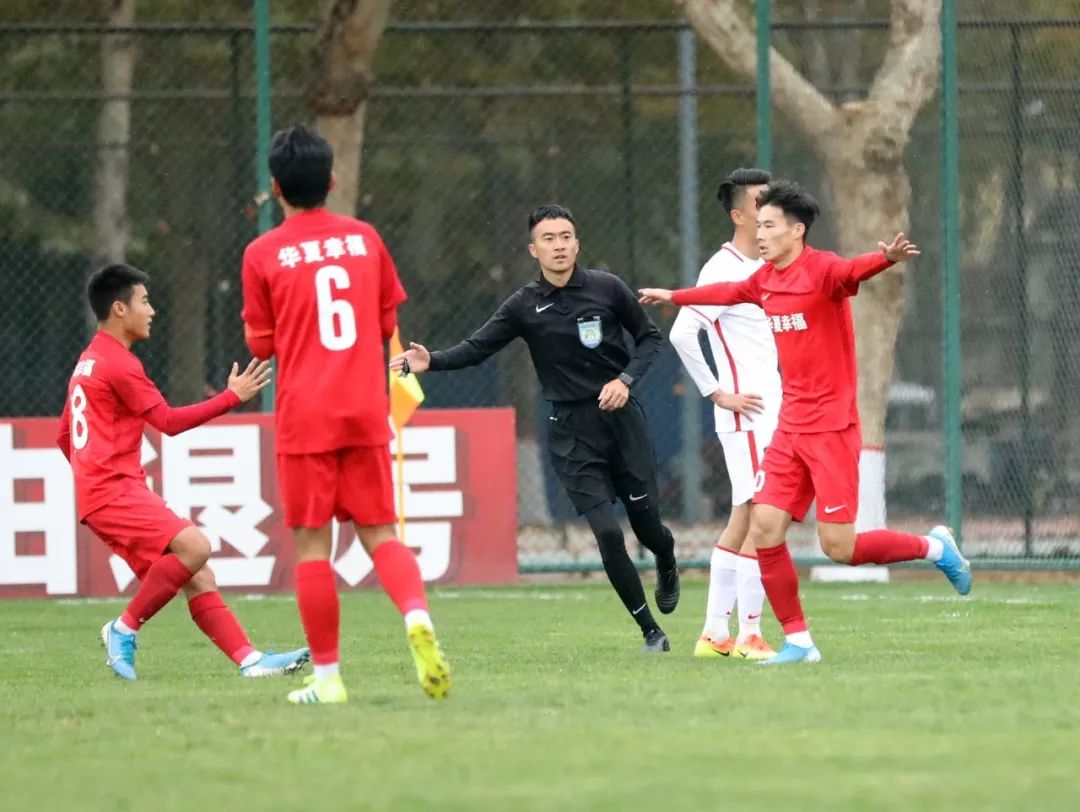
pixel 741 341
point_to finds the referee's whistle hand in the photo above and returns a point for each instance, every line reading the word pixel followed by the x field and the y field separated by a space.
pixel 613 396
pixel 417 357
pixel 654 296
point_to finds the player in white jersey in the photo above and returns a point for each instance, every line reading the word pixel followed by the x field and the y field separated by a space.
pixel 746 391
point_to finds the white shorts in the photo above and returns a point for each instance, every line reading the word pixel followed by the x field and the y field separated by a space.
pixel 743 453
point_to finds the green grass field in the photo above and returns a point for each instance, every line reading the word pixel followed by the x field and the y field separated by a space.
pixel 924 701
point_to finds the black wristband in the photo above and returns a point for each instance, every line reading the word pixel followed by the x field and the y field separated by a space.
pixel 627 379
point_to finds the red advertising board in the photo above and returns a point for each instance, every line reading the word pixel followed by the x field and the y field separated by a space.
pixel 460 503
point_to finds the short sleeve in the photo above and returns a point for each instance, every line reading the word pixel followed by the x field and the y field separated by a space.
pixel 258 312
pixel 137 392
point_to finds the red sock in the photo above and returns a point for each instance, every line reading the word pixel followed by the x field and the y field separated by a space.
pixel 160 584
pixel 396 566
pixel 320 612
pixel 781 583
pixel 887 547
pixel 217 622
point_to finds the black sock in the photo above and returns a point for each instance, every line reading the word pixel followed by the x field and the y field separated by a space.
pixel 654 536
pixel 620 570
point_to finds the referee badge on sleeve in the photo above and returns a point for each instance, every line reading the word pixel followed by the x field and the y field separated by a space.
pixel 589 332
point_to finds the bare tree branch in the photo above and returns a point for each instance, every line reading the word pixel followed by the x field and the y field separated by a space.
pixel 348 38
pixel 907 79
pixel 721 24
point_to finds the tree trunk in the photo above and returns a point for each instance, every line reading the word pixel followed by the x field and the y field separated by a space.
pixel 111 227
pixel 871 193
pixel 348 40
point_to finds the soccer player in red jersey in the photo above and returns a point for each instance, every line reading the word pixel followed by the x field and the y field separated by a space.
pixel 321 293
pixel 815 450
pixel 109 400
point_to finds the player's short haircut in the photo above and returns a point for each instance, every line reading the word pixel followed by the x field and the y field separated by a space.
pixel 113 283
pixel 301 161
pixel 550 211
pixel 733 189
pixel 789 197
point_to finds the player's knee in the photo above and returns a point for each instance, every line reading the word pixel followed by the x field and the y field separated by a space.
pixel 192 548
pixel 837 548
pixel 611 541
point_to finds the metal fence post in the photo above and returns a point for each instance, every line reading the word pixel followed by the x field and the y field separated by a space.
pixel 690 232
pixel 950 273
pixel 262 136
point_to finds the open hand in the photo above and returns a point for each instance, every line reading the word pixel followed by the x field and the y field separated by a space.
pixel 251 381
pixel 415 359
pixel 900 249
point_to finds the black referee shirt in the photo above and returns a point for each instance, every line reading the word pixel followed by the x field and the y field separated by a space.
pixel 575 334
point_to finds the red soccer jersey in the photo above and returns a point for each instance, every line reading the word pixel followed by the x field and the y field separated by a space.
pixel 108 395
pixel 808 309
pixel 326 289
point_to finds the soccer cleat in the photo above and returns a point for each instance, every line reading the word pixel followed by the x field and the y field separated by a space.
pixel 667 590
pixel 754 647
pixel 326 691
pixel 120 649
pixel 273 665
pixel 432 669
pixel 791 653
pixel 656 642
pixel 956 568
pixel 707 647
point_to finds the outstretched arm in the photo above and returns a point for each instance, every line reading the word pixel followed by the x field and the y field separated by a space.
pixel 497 332
pixel 243 386
pixel 719 293
pixel 843 276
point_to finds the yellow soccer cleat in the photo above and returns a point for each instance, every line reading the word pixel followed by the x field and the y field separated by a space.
pixel 707 647
pixel 432 669
pixel 754 647
pixel 327 691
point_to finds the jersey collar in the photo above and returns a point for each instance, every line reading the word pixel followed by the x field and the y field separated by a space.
pixel 577 279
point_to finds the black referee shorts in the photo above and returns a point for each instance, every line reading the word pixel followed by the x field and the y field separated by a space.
pixel 600 456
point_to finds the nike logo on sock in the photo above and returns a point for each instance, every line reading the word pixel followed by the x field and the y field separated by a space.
pixel 639 608
pixel 753 617
pixel 638 498
pixel 829 510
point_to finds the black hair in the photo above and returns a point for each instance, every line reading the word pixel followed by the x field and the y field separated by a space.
pixel 301 161
pixel 789 197
pixel 113 283
pixel 550 211
pixel 731 191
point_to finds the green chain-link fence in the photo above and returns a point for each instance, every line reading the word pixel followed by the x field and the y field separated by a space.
pixel 471 125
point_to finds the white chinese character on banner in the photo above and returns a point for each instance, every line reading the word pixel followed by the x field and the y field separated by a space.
pixel 53 517
pixel 432 460
pixel 354 244
pixel 289 256
pixel 312 251
pixel 334 247
pixel 218 469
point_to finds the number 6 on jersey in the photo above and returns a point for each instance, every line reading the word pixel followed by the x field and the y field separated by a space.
pixel 337 320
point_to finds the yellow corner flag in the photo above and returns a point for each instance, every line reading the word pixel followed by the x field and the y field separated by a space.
pixel 405 398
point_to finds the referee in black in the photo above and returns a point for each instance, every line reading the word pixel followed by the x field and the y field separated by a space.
pixel 573 321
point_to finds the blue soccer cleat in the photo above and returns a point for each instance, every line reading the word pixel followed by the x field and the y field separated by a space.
pixel 791 653
pixel 120 649
pixel 956 568
pixel 273 665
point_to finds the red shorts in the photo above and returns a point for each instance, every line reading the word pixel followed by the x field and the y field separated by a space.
pixel 138 526
pixel 798 467
pixel 348 483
